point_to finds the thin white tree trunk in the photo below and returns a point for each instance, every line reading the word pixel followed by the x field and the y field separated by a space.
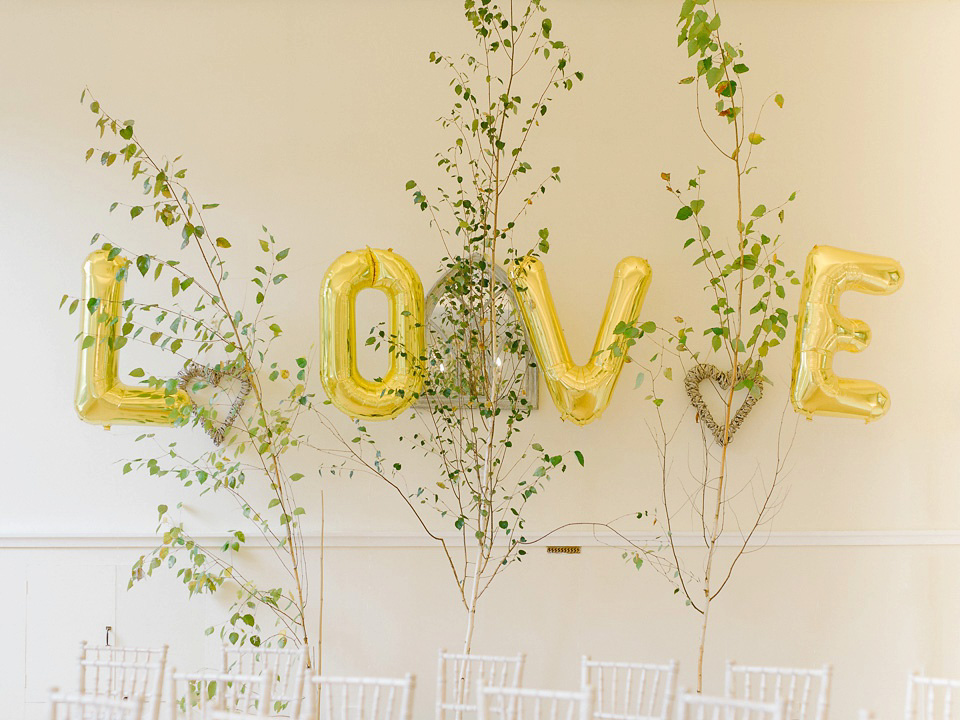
pixel 468 637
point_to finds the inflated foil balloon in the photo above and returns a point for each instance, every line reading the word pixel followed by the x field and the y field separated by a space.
pixel 580 392
pixel 347 389
pixel 101 398
pixel 822 330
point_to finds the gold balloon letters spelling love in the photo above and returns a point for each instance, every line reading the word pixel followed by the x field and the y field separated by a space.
pixel 822 331
pixel 580 392
pixel 347 389
pixel 101 398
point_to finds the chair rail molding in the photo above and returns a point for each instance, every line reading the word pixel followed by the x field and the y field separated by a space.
pixel 805 538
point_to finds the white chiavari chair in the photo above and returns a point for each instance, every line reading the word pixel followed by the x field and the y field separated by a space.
pixel 94 707
pixel 218 696
pixel 806 691
pixel 286 668
pixel 702 707
pixel 503 703
pixel 630 691
pixel 458 676
pixel 122 673
pixel 930 698
pixel 352 698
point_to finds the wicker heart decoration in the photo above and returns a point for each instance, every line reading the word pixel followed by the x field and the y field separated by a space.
pixel 194 372
pixel 708 372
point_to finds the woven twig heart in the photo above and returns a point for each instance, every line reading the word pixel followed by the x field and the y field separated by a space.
pixel 724 379
pixel 193 372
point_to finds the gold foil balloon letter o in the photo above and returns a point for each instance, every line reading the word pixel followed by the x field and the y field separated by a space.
pixel 347 389
pixel 101 398
pixel 580 392
pixel 822 331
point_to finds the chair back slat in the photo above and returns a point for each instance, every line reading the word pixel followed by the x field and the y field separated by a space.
pixel 94 707
pixel 930 698
pixel 218 696
pixel 701 707
pixel 629 691
pixel 285 667
pixel 805 691
pixel 122 673
pixel 505 703
pixel 459 675
pixel 351 698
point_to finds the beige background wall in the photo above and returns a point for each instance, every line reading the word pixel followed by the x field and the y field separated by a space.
pixel 309 118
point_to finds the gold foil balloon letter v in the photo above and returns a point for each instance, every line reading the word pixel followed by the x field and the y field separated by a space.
pixel 101 398
pixel 347 389
pixel 822 331
pixel 580 392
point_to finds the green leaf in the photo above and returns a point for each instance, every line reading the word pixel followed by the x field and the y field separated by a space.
pixel 755 138
pixel 759 211
pixel 143 264
pixel 727 89
pixel 579 457
pixel 778 99
pixel 282 254
pixel 639 382
pixel 87 342
pixel 713 76
pixel 411 184
pixel 222 242
pixel 684 212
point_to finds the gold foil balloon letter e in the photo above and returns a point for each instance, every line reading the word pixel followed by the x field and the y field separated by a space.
pixel 822 331
pixel 347 389
pixel 580 392
pixel 100 397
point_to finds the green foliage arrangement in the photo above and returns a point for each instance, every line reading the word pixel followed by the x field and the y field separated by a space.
pixel 474 402
pixel 746 289
pixel 474 399
pixel 251 470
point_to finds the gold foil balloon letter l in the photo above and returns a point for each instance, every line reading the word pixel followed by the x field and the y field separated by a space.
pixel 100 397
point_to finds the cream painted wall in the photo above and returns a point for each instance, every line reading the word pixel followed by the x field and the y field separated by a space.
pixel 309 118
